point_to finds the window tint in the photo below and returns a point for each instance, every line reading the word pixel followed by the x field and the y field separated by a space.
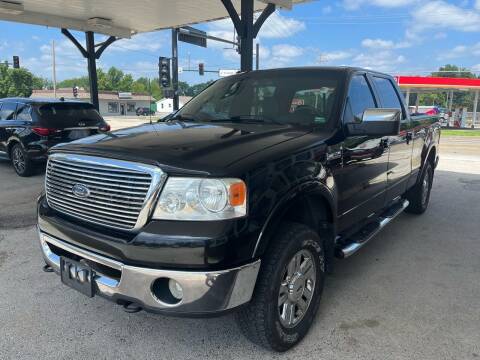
pixel 61 115
pixel 293 98
pixel 318 101
pixel 360 98
pixel 386 92
pixel 8 111
pixel 23 112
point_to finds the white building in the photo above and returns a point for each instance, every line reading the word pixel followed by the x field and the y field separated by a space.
pixel 165 106
pixel 111 103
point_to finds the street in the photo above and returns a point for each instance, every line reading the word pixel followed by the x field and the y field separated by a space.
pixel 412 293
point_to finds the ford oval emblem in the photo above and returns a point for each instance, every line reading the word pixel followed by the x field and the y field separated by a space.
pixel 80 191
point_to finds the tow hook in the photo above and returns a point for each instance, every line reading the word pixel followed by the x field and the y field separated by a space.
pixel 47 268
pixel 131 308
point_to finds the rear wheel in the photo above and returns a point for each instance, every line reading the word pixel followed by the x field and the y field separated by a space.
pixel 419 195
pixel 22 165
pixel 288 290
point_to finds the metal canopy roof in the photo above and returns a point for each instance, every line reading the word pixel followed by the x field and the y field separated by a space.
pixel 121 18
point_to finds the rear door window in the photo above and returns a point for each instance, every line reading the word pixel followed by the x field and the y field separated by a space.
pixel 360 98
pixel 387 94
pixel 69 115
pixel 24 112
pixel 8 111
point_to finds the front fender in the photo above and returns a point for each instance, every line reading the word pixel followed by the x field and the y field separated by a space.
pixel 313 189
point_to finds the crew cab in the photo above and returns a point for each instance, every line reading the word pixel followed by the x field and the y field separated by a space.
pixel 241 200
pixel 29 127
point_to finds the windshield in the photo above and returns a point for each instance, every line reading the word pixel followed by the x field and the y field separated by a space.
pixel 291 97
pixel 69 114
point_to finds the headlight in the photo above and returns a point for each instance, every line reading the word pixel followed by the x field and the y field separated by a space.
pixel 201 199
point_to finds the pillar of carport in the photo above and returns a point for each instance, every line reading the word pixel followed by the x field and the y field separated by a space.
pixel 475 105
pixel 91 55
pixel 246 28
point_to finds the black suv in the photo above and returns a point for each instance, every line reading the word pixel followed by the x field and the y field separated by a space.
pixel 145 111
pixel 29 127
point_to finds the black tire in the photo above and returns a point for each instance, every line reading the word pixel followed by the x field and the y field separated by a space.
pixel 21 164
pixel 260 320
pixel 419 195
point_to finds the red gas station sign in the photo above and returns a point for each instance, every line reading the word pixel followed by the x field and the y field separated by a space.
pixel 437 82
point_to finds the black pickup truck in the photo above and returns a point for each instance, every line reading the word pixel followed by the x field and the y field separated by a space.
pixel 241 200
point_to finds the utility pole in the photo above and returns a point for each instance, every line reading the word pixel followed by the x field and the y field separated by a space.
pixel 175 68
pixel 54 70
pixel 257 56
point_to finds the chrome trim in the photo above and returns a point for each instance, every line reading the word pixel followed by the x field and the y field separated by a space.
pixel 204 292
pixel 141 195
pixel 352 248
pixel 81 128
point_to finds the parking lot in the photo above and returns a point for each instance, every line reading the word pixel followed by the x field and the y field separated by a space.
pixel 412 293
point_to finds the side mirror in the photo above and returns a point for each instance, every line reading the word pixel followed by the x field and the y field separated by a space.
pixel 377 122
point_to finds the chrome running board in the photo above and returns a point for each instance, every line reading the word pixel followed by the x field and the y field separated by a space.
pixel 362 237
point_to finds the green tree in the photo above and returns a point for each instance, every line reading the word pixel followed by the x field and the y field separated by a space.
pixel 183 87
pixel 82 82
pixel 126 83
pixel 41 83
pixel 15 82
pixel 455 71
pixel 460 98
pixel 157 91
pixel 4 80
pixel 197 88
pixel 141 85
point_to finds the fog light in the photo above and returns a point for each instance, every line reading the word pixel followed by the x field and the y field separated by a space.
pixel 176 289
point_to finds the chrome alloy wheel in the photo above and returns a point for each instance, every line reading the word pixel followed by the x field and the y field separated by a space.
pixel 296 288
pixel 18 160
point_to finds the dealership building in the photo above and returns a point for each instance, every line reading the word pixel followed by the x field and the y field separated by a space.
pixel 111 103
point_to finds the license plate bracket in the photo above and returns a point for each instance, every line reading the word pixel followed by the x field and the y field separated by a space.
pixel 76 134
pixel 78 276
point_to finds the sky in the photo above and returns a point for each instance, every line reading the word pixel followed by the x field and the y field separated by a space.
pixel 395 36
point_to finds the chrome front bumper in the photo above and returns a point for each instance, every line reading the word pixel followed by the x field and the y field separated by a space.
pixel 203 292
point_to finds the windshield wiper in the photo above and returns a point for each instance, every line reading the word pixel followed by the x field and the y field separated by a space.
pixel 180 117
pixel 247 119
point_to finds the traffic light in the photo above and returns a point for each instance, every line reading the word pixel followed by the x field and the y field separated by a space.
pixel 75 91
pixel 164 71
pixel 201 69
pixel 16 62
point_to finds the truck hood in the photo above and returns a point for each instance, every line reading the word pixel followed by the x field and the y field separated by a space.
pixel 185 147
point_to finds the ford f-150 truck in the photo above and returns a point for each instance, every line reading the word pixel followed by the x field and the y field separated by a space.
pixel 240 200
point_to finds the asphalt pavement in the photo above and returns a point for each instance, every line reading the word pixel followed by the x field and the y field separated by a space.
pixel 412 293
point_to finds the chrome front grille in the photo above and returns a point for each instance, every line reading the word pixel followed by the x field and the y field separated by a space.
pixel 113 193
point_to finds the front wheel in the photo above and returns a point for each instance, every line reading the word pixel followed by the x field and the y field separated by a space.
pixel 22 165
pixel 288 290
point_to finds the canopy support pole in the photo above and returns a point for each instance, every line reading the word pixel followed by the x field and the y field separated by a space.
pixel 92 69
pixel 175 68
pixel 450 103
pixel 246 28
pixel 91 55
pixel 407 97
pixel 475 104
